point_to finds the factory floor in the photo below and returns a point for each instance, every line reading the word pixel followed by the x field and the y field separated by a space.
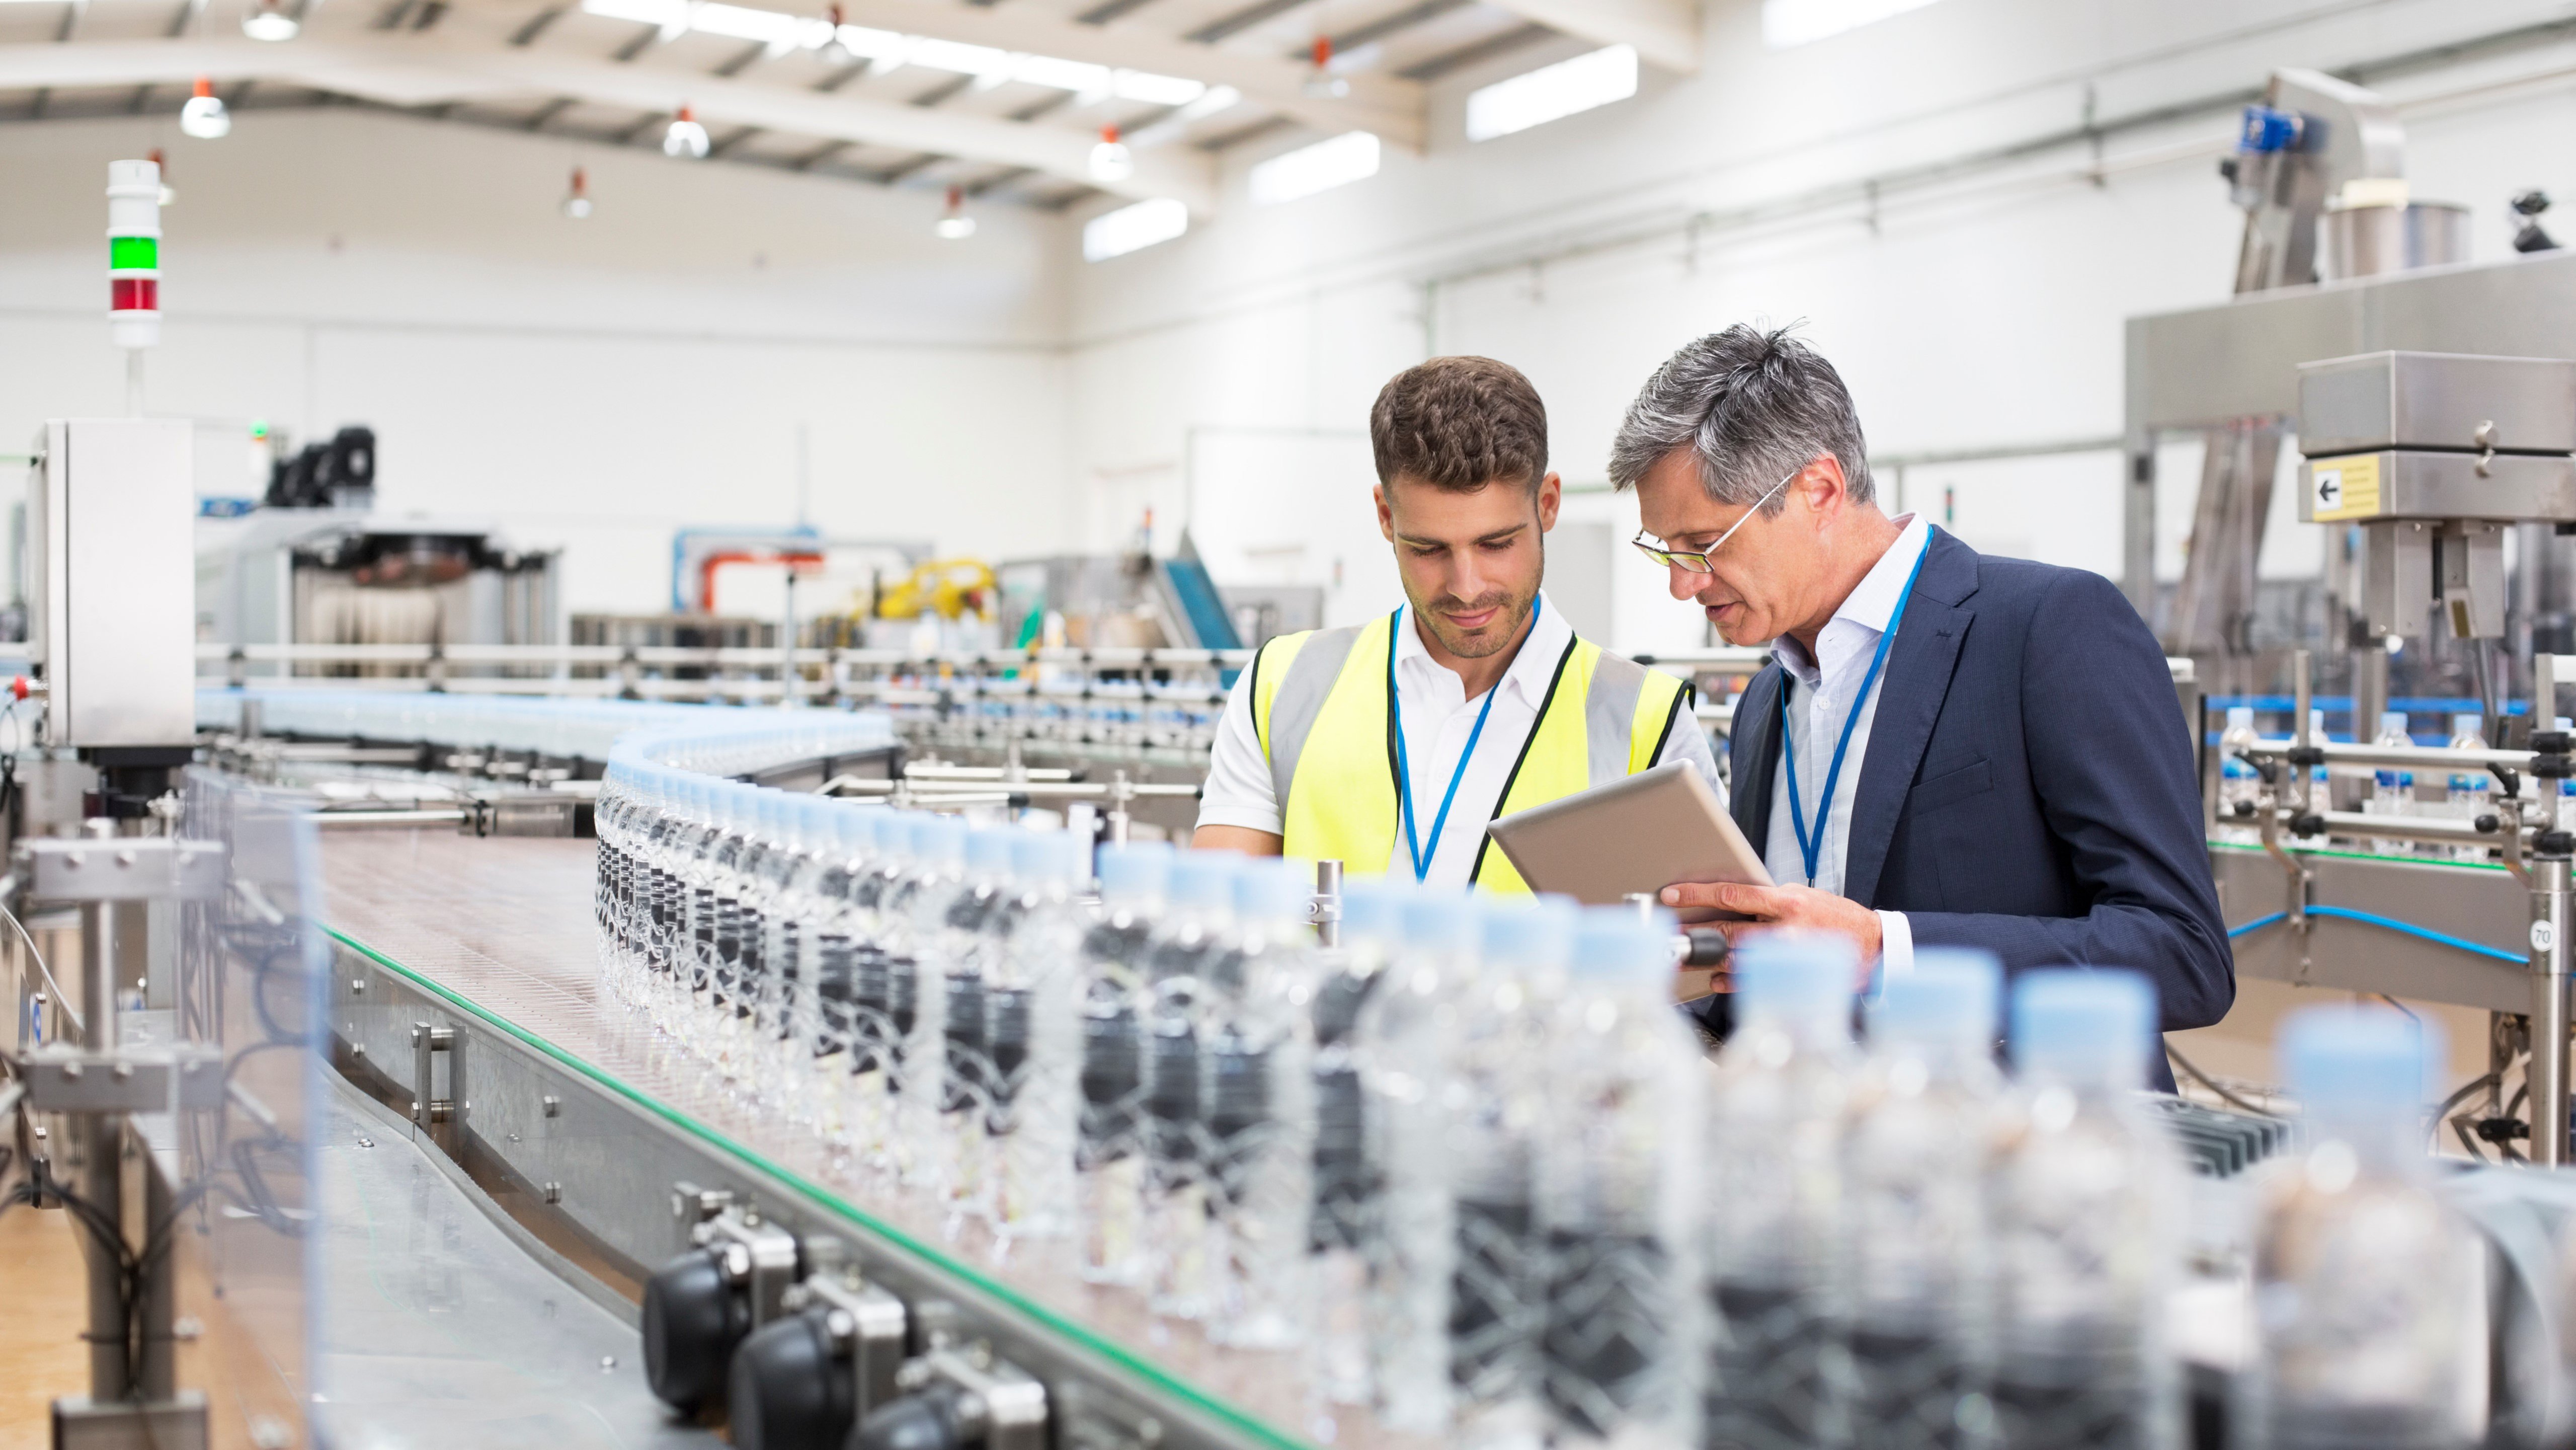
pixel 43 1284
pixel 41 1354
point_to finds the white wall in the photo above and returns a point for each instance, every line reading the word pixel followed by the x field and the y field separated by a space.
pixel 1983 312
pixel 594 384
pixel 602 384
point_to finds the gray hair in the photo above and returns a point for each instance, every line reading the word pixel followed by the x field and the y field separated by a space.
pixel 1753 407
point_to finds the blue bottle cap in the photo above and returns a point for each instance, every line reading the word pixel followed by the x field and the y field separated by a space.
pixel 1614 947
pixel 2091 1025
pixel 1441 920
pixel 1040 858
pixel 856 827
pixel 1525 933
pixel 1811 976
pixel 939 841
pixel 1134 874
pixel 1373 907
pixel 1203 881
pixel 2358 1061
pixel 1949 999
pixel 815 821
pixel 988 852
pixel 1274 890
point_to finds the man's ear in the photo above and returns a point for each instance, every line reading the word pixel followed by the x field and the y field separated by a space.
pixel 1551 493
pixel 1823 483
pixel 1385 513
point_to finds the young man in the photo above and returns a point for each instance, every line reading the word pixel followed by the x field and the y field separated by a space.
pixel 1388 746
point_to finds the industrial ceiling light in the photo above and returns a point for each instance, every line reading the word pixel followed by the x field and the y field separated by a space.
pixel 1111 161
pixel 204 117
pixel 954 224
pixel 270 20
pixel 836 50
pixel 576 202
pixel 686 138
pixel 1321 83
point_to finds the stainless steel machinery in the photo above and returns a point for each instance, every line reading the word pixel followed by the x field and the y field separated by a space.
pixel 353 576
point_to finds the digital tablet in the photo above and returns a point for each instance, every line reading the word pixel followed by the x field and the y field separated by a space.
pixel 1640 834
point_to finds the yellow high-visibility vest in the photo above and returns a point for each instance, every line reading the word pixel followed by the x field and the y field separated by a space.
pixel 1319 706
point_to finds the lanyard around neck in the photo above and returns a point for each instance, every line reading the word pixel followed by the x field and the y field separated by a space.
pixel 1403 765
pixel 1810 847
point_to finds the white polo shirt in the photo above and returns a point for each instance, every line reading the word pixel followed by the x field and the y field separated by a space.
pixel 1438 718
pixel 1820 699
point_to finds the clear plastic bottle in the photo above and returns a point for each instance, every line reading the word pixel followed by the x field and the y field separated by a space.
pixel 876 1020
pixel 1110 1160
pixel 1495 1090
pixel 2320 784
pixel 702 882
pixel 1033 1040
pixel 784 878
pixel 2365 1282
pixel 2469 796
pixel 1183 984
pixel 971 944
pixel 2392 788
pixel 2086 1201
pixel 916 968
pixel 1774 1151
pixel 845 845
pixel 1401 1039
pixel 1619 1196
pixel 1260 1094
pixel 1346 1180
pixel 611 814
pixel 668 952
pixel 728 1000
pixel 1915 1231
pixel 2238 784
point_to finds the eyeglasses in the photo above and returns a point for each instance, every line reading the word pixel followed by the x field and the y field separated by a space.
pixel 1696 560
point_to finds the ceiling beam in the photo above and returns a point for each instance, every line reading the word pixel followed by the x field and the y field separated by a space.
pixel 1665 32
pixel 1432 68
pixel 1243 20
pixel 417 71
pixel 1390 106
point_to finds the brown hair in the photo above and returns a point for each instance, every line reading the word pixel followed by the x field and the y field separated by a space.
pixel 1460 423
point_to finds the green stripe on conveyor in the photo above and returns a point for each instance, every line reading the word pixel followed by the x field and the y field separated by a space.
pixel 1143 1369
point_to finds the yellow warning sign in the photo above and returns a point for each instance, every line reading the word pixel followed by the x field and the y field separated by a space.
pixel 2343 488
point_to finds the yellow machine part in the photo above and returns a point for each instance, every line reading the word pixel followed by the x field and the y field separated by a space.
pixel 947 587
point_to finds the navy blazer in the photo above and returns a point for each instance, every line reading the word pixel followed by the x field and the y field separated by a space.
pixel 2029 786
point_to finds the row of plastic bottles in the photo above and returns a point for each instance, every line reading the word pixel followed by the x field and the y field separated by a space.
pixel 1469 1168
pixel 2466 794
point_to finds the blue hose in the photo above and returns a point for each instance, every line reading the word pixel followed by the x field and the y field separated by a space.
pixel 2391 923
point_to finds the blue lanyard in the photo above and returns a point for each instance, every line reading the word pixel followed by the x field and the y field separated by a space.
pixel 1810 846
pixel 1403 766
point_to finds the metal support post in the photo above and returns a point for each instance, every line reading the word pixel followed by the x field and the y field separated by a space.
pixel 2303 683
pixel 443 1118
pixel 101 1137
pixel 1328 902
pixel 2548 1072
pixel 1121 792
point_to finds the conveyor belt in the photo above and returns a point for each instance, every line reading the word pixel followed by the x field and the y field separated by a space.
pixel 505 926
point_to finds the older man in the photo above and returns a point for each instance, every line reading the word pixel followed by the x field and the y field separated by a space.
pixel 1945 748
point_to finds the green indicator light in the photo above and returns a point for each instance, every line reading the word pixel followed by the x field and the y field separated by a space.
pixel 125 253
